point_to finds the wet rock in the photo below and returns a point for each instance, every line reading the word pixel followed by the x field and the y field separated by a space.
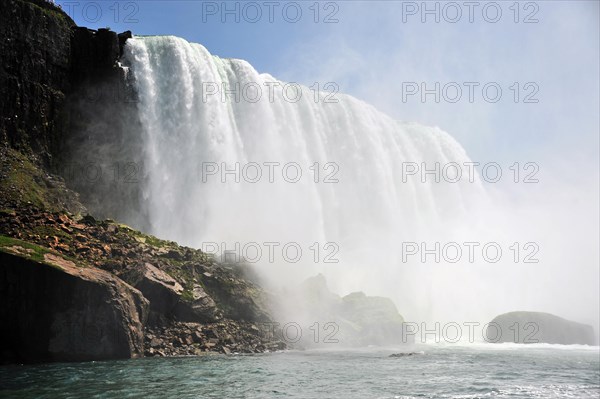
pixel 201 307
pixel 54 310
pixel 122 39
pixel 162 290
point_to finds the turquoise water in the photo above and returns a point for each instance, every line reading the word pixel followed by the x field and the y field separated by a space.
pixel 476 371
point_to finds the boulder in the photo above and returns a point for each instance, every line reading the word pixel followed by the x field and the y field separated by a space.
pixel 199 308
pixel 54 310
pixel 238 298
pixel 168 299
pixel 538 327
pixel 162 290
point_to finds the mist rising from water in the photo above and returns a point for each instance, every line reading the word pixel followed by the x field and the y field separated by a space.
pixel 367 214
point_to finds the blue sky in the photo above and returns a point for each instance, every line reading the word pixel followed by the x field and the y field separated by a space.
pixel 262 43
pixel 371 49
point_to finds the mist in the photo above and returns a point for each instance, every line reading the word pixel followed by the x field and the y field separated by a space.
pixel 558 133
pixel 217 177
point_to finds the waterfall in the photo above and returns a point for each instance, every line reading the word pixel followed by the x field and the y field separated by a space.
pixel 193 123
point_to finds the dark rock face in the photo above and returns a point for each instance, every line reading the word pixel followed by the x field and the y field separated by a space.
pixel 538 327
pixel 101 155
pixel 94 54
pixel 66 103
pixel 34 75
pixel 53 310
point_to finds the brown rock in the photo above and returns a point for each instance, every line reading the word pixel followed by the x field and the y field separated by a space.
pixel 202 308
pixel 197 337
pixel 57 311
pixel 158 287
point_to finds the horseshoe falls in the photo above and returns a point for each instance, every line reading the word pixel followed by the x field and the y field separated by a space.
pixel 282 164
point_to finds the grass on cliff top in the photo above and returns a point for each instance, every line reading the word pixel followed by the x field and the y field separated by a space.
pixel 33 251
pixel 50 10
pixel 145 238
pixel 160 243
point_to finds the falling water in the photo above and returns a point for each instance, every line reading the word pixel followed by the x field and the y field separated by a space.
pixel 187 128
pixel 202 115
pixel 360 200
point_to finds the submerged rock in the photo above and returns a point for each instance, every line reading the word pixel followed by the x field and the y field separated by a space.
pixel 538 327
pixel 54 310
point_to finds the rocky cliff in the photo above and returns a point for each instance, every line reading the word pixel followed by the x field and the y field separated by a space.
pixel 65 102
pixel 34 75
pixel 72 287
pixel 194 303
pixel 56 309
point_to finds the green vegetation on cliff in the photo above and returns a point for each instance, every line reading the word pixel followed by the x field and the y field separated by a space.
pixel 23 183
